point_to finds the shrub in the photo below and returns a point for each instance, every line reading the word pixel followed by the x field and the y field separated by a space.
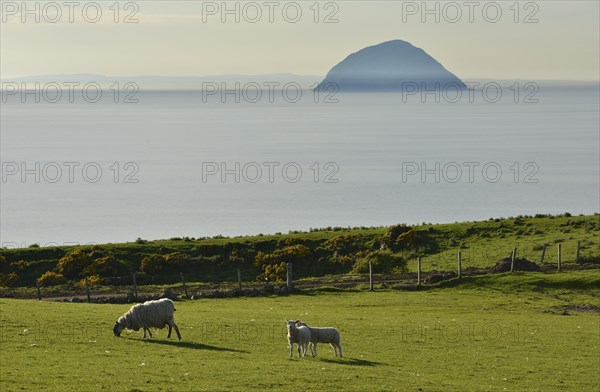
pixel 345 244
pixel 406 238
pixel 50 278
pixel 164 263
pixel 19 265
pixel 274 272
pixel 383 261
pixel 7 280
pixel 289 241
pixel 73 264
pixel 235 257
pixel 105 265
pixel 273 266
pixel 93 280
pixel 391 237
pixel 342 259
pixel 177 260
pixel 153 264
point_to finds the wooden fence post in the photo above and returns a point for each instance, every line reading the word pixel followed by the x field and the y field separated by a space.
pixel 184 286
pixel 370 276
pixel 512 259
pixel 87 289
pixel 543 254
pixel 39 293
pixel 239 279
pixel 578 251
pixel 559 258
pixel 134 287
pixel 459 264
pixel 419 271
pixel 289 277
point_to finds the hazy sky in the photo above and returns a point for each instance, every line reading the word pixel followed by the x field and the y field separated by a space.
pixel 177 38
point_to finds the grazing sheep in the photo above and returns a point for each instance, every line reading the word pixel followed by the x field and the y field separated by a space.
pixel 150 314
pixel 323 335
pixel 300 335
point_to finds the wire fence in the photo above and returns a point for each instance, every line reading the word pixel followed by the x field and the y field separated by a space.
pixel 421 271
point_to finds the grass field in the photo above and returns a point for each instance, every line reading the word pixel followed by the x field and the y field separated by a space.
pixel 519 332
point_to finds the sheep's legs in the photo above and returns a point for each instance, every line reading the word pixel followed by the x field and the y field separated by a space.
pixel 147 329
pixel 176 331
pixel 291 350
pixel 314 349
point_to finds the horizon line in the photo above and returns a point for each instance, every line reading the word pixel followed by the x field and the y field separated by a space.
pixel 469 78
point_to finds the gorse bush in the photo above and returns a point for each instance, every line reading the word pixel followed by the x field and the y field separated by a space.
pixel 19 265
pixel 272 264
pixel 105 265
pixel 397 236
pixel 93 280
pixel 8 280
pixel 274 272
pixel 345 244
pixel 80 263
pixel 153 264
pixel 383 261
pixel 72 264
pixel 50 278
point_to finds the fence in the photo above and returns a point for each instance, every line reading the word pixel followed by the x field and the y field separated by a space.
pixel 464 259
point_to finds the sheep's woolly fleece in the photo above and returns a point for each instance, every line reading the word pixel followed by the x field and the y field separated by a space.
pixel 150 314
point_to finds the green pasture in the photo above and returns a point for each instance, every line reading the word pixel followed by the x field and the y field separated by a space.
pixel 508 332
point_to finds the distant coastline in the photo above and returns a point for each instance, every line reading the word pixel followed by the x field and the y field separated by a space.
pixel 176 83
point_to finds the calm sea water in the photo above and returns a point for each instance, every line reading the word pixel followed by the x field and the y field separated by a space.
pixel 361 160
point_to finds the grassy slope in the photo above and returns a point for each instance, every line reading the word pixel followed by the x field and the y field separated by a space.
pixel 490 333
pixel 483 243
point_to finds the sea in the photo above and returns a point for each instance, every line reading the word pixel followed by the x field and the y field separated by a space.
pixel 160 164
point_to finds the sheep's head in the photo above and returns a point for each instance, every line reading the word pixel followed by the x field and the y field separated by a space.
pixel 300 323
pixel 291 325
pixel 117 329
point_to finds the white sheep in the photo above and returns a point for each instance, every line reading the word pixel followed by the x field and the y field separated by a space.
pixel 299 335
pixel 150 314
pixel 323 335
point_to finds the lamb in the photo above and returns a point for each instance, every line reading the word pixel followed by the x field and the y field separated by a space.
pixel 300 335
pixel 323 335
pixel 150 314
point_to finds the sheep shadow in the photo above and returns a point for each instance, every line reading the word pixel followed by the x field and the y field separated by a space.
pixel 351 362
pixel 192 345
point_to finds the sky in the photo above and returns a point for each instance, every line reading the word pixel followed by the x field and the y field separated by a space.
pixel 543 40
